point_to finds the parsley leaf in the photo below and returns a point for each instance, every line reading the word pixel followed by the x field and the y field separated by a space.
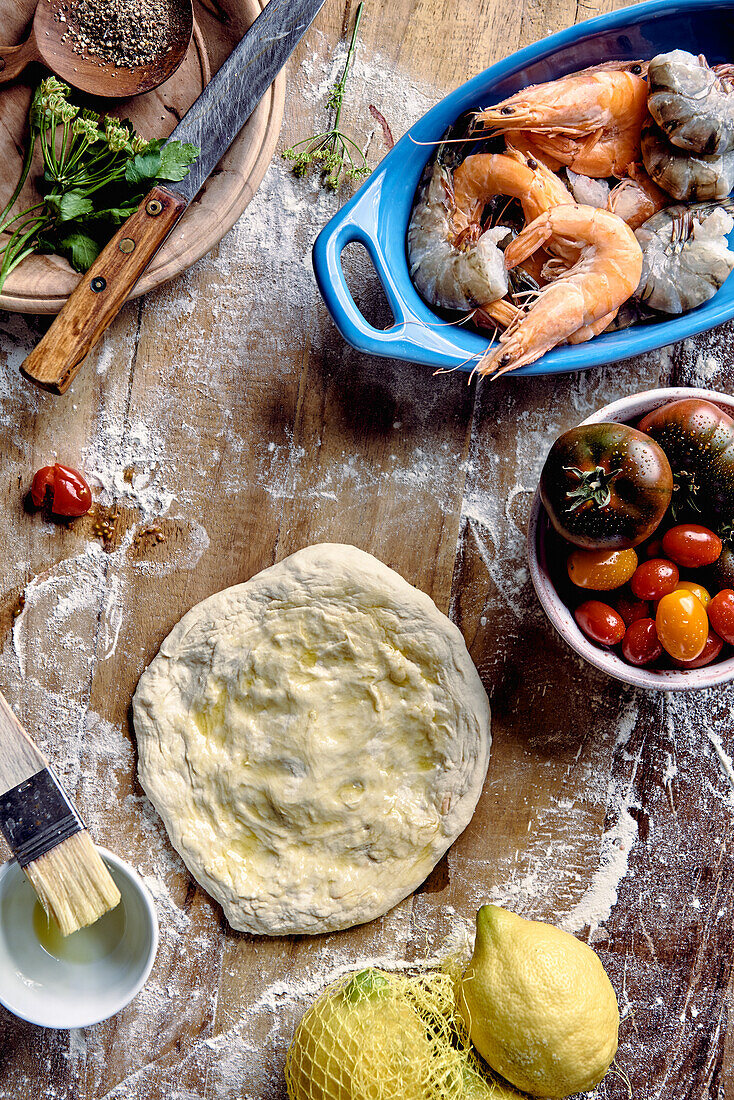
pixel 114 214
pixel 143 168
pixel 176 157
pixel 70 205
pixel 80 249
pixel 96 171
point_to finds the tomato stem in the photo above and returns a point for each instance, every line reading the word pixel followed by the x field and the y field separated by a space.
pixel 684 484
pixel 594 485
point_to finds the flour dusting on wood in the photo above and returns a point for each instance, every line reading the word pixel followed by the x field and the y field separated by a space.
pixel 601 792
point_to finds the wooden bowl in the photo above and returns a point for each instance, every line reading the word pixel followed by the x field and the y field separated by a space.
pixel 51 41
pixel 41 284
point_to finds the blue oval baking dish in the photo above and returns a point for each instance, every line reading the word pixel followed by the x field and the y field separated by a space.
pixel 377 215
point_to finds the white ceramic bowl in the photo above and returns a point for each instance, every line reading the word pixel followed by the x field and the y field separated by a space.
pixel 90 975
pixel 627 409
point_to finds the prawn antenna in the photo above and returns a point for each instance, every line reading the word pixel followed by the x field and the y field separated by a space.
pixel 447 324
pixel 477 360
pixel 449 141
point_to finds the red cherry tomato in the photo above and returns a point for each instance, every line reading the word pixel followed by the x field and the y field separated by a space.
pixel 600 622
pixel 654 549
pixel 631 609
pixel 710 652
pixel 68 490
pixel 721 614
pixel 654 579
pixel 682 625
pixel 691 545
pixel 641 645
pixel 601 570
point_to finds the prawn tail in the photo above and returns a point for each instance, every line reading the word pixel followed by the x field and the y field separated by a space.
pixel 499 314
pixel 532 237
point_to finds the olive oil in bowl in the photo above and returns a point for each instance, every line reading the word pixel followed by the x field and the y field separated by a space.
pixel 86 946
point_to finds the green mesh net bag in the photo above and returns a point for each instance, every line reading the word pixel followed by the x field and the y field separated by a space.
pixel 384 1036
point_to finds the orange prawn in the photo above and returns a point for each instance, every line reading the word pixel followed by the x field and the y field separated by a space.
pixel 453 262
pixel 484 175
pixel 478 178
pixel 583 299
pixel 590 121
pixel 637 198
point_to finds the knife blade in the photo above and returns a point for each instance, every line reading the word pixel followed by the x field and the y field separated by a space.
pixel 235 90
pixel 211 123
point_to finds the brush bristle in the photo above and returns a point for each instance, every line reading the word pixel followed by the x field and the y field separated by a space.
pixel 73 884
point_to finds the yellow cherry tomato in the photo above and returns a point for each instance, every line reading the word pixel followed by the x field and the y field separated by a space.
pixel 682 625
pixel 697 589
pixel 601 570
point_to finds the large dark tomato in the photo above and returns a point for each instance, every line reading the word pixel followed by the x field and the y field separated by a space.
pixel 606 486
pixel 698 438
pixel 722 571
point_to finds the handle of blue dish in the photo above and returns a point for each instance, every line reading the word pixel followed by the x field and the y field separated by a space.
pixel 327 263
pixel 409 338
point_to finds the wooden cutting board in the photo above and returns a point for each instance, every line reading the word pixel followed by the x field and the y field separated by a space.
pixel 41 284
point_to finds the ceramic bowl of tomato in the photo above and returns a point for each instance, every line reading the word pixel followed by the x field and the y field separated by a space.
pixel 660 584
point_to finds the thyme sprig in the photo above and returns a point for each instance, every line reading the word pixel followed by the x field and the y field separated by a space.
pixel 332 151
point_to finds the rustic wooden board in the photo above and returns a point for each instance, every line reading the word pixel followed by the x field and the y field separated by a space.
pixel 43 283
pixel 226 415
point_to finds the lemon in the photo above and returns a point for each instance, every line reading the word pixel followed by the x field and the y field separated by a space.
pixel 367 1041
pixel 479 1087
pixel 538 1005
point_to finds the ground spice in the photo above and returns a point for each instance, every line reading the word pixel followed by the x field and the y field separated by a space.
pixel 121 32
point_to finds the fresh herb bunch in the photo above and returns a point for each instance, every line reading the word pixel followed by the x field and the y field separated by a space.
pixel 332 151
pixel 96 172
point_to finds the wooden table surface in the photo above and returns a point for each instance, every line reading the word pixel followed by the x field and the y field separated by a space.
pixel 226 425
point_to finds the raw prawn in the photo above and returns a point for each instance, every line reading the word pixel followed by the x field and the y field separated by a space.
pixel 484 175
pixel 685 256
pixel 583 300
pixel 589 121
pixel 684 175
pixel 454 264
pixel 692 104
pixel 637 198
pixel 588 191
pixel 448 275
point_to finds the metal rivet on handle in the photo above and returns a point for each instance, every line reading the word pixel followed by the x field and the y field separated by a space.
pixel 127 244
pixel 98 283
pixel 153 207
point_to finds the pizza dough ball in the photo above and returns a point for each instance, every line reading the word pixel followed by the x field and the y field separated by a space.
pixel 314 740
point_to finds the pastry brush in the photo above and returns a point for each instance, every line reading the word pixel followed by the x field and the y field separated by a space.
pixel 47 835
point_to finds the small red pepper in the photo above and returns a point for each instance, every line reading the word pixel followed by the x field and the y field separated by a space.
pixel 70 494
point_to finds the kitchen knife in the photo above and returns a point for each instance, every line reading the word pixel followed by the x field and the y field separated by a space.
pixel 211 123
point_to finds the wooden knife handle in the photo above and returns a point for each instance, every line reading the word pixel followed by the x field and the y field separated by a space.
pixel 99 296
